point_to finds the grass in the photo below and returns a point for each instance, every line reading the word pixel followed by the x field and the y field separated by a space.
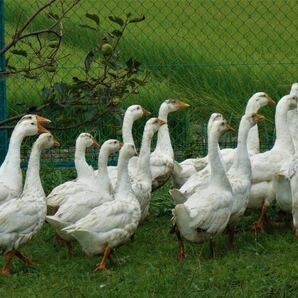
pixel 214 53
pixel 259 266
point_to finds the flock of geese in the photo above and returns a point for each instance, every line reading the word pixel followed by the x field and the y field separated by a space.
pixel 102 209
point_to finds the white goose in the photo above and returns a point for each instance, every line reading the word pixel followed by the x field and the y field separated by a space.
pixel 207 212
pixel 257 101
pixel 79 204
pixel 132 114
pixel 285 184
pixel 266 165
pixel 162 158
pixel 84 172
pixel 11 179
pixel 240 174
pixel 184 170
pixel 23 216
pixel 142 178
pixel 112 223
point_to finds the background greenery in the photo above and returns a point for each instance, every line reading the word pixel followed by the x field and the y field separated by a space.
pixel 215 54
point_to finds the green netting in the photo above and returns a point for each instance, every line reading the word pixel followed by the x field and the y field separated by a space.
pixel 214 53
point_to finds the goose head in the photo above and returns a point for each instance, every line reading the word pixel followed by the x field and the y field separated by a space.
pixel 172 105
pixel 219 125
pixel 86 140
pixel 253 118
pixel 136 112
pixel 257 101
pixel 46 141
pixel 31 125
pixel 152 126
pixel 290 101
pixel 112 146
pixel 294 89
pixel 214 117
pixel 128 151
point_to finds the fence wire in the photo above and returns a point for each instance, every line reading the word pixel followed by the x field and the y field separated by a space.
pixel 214 53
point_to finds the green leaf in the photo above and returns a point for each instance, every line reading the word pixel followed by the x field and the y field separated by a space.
pixel 132 65
pixel 87 26
pixel 117 33
pixel 20 52
pixel 93 17
pixel 52 16
pixel 128 15
pixel 137 19
pixel 88 61
pixel 117 20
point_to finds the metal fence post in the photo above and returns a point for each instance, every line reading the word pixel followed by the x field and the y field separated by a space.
pixel 3 108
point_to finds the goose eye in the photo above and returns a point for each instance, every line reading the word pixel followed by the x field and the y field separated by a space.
pixel 138 108
pixel 32 123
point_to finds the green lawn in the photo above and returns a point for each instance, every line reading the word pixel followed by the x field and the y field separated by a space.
pixel 259 266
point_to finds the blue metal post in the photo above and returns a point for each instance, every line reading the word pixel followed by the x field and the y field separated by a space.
pixel 3 107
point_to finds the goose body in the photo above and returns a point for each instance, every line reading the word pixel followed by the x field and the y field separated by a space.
pixel 266 165
pixel 11 180
pixel 112 223
pixel 240 172
pixel 207 212
pixel 186 173
pixel 85 176
pixel 282 180
pixel 23 216
pixel 79 204
pixel 197 180
pixel 142 179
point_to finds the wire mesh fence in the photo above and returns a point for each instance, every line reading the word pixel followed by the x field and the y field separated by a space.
pixel 214 53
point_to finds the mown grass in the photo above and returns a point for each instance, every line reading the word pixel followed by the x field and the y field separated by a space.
pixel 262 265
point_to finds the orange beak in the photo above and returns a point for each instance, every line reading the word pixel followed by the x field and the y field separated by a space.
pixel 41 129
pixel 271 101
pixel 56 143
pixel 182 105
pixel 161 122
pixel 95 144
pixel 258 117
pixel 230 128
pixel 42 119
pixel 146 112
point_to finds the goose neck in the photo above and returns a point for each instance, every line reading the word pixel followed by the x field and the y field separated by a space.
pixel 123 185
pixel 81 164
pixel 143 167
pixel 127 129
pixel 241 160
pixel 283 139
pixel 218 174
pixel 33 182
pixel 13 157
pixel 103 169
pixel 164 144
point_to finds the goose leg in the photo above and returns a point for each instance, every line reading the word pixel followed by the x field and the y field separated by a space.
pixel 69 248
pixel 67 243
pixel 181 250
pixel 24 259
pixel 259 225
pixel 102 264
pixel 8 258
